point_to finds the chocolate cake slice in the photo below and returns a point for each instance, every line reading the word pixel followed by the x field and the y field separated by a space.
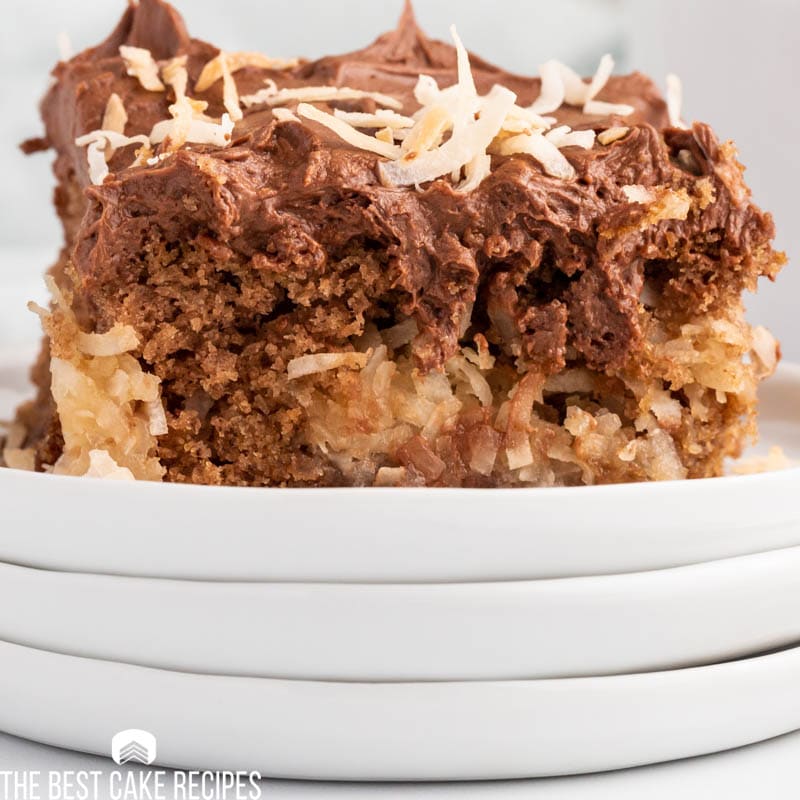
pixel 402 266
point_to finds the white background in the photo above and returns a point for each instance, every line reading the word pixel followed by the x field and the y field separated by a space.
pixel 739 62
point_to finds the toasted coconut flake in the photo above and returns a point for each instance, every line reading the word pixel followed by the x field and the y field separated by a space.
pixel 390 476
pixel 774 461
pixel 317 94
pixel 666 409
pixel 765 352
pixel 382 118
pixel 601 109
pixel 348 133
pixel 552 95
pixel 426 91
pixel 638 194
pixel 20 458
pixel 101 401
pixel 214 69
pixel 189 123
pixel 102 465
pixel 565 137
pixel 675 101
pixel 576 91
pixel 560 84
pixel 469 140
pixel 427 133
pixel 112 138
pixel 520 454
pixel 176 76
pixel 611 135
pixel 182 110
pixel 115 118
pixel 285 115
pixel 546 153
pixel 324 362
pixel 154 161
pixel 475 173
pixel 98 144
pixel 13 455
pixel 478 125
pixel 64 46
pixel 141 65
pixel 523 120
pixel 157 418
pixel 199 131
pixel 479 386
pixel 604 70
pixel 120 339
pixel 230 94
pixel 670 204
pixel 485 444
pixel 98 166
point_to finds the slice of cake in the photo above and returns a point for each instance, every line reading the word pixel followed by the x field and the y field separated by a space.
pixel 402 266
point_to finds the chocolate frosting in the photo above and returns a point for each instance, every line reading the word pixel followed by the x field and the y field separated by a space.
pixel 550 269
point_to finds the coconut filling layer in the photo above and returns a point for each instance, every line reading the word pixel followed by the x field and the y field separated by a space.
pixel 109 408
pixel 480 422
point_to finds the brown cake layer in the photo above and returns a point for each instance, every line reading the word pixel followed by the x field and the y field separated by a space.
pixel 584 309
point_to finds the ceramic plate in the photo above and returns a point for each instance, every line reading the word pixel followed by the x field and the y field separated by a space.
pixel 402 535
pixel 414 632
pixel 400 731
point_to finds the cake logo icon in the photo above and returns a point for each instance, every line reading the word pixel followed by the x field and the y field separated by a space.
pixel 133 746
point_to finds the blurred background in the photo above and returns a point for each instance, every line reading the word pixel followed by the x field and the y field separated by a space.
pixel 738 60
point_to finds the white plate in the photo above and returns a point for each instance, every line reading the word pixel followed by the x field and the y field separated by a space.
pixel 414 632
pixel 400 731
pixel 404 535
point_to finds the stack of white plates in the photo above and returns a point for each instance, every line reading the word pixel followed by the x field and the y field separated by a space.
pixel 406 634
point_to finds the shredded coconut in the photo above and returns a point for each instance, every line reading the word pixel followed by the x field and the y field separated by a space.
pixel 774 461
pixel 474 121
pixel 347 132
pixel 427 133
pixel 380 119
pixel 98 143
pixel 233 62
pixel 611 135
pixel 765 351
pixel 561 84
pixel 324 362
pixel 675 101
pixel 273 96
pixel 552 94
pixel 199 131
pixel 115 118
pixel 601 109
pixel 285 115
pixel 13 454
pixel 102 465
pixel 230 94
pixel 456 130
pixel 104 402
pixel 638 194
pixel 564 136
pixel 64 46
pixel 141 65
pixel 545 152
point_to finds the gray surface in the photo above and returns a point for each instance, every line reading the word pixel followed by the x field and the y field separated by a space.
pixel 767 770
